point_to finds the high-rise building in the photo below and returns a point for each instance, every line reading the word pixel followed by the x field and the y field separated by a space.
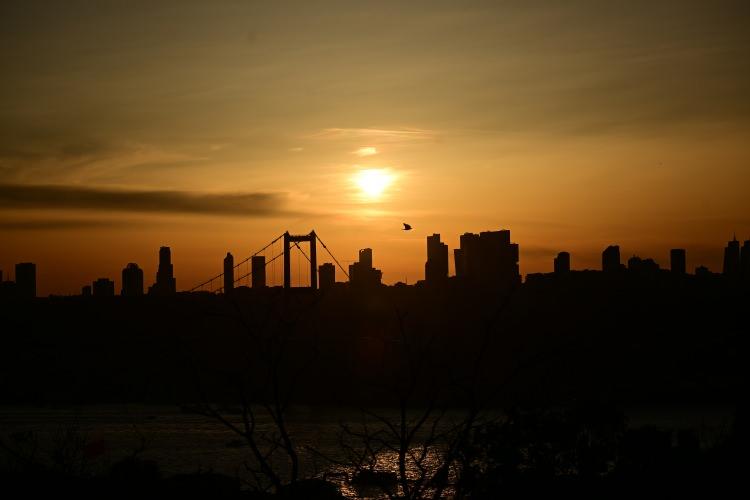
pixel 488 258
pixel 104 287
pixel 745 259
pixel 459 262
pixel 732 258
pixel 132 280
pixel 562 263
pixel 436 267
pixel 228 274
pixel 611 259
pixel 165 280
pixel 677 261
pixel 258 269
pixel 86 291
pixel 326 275
pixel 470 256
pixel 361 273
pixel 26 280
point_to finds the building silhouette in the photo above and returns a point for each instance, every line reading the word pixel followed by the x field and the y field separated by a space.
pixel 326 275
pixel 258 270
pixel 703 271
pixel 488 258
pixel 732 258
pixel 677 261
pixel 436 267
pixel 611 259
pixel 459 262
pixel 132 280
pixel 228 274
pixel 26 280
pixel 104 287
pixel 86 291
pixel 562 263
pixel 745 259
pixel 362 274
pixel 638 265
pixel 165 280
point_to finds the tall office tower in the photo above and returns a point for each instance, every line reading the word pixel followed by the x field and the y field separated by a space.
pixel 436 267
pixel 488 258
pixel 132 280
pixel 498 257
pixel 362 274
pixel 365 258
pixel 165 280
pixel 104 287
pixel 677 261
pixel 26 280
pixel 228 274
pixel 258 269
pixel 732 258
pixel 745 259
pixel 327 275
pixel 458 261
pixel 611 259
pixel 562 263
pixel 86 291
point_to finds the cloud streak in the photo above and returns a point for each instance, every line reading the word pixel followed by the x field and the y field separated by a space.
pixel 385 135
pixel 20 196
pixel 63 224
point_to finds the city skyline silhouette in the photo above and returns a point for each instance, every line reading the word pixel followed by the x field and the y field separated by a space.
pixel 386 249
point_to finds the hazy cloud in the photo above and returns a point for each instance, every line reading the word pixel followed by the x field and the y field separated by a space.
pixel 62 224
pixel 390 135
pixel 19 196
pixel 366 151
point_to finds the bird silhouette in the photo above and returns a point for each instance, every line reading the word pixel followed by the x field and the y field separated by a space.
pixel 407 227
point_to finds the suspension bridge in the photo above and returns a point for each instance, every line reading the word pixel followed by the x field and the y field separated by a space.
pixel 259 263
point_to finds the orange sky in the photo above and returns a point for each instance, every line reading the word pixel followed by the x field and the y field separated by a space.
pixel 214 128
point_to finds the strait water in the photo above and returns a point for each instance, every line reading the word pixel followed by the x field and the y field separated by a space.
pixel 185 443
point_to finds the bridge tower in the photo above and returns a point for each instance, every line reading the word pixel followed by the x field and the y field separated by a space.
pixel 288 240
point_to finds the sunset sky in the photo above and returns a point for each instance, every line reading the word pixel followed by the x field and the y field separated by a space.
pixel 216 126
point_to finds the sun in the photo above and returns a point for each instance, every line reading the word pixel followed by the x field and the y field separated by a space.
pixel 373 182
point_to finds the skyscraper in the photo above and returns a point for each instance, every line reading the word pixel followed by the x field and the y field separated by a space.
pixel 732 258
pixel 258 268
pixel 26 280
pixel 611 259
pixel 745 260
pixel 132 280
pixel 677 261
pixel 165 280
pixel 327 275
pixel 488 258
pixel 562 263
pixel 459 262
pixel 436 267
pixel 362 274
pixel 228 274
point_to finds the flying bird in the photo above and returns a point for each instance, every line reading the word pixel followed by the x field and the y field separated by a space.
pixel 407 227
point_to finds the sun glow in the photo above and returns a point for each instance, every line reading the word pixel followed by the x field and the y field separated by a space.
pixel 373 182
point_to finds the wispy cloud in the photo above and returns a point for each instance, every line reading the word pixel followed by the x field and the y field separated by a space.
pixel 365 151
pixel 385 135
pixel 63 224
pixel 21 196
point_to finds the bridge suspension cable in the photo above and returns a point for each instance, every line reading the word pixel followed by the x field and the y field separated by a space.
pixel 271 261
pixel 333 257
